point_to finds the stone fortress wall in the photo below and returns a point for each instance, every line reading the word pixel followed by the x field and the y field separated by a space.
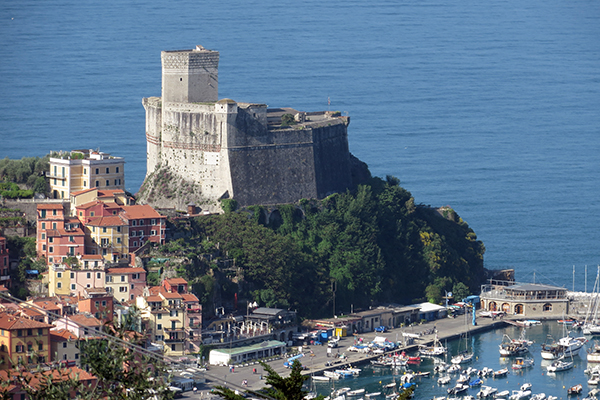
pixel 239 150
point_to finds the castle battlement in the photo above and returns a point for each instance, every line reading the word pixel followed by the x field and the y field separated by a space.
pixel 225 149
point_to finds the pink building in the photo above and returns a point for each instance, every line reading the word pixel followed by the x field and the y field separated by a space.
pixel 58 236
pixel 4 264
pixel 145 224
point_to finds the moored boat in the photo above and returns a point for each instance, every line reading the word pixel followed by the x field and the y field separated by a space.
pixel 501 373
pixel 575 389
pixel 522 363
pixel 560 365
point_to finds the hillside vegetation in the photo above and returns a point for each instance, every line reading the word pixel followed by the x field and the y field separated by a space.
pixel 370 246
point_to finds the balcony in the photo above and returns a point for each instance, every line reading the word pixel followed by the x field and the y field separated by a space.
pixel 174 340
pixel 180 329
pixel 105 245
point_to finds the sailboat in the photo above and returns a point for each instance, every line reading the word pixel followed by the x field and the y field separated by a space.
pixel 465 356
pixel 437 349
pixel 591 325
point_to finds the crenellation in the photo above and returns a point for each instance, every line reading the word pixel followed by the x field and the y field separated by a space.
pixel 238 150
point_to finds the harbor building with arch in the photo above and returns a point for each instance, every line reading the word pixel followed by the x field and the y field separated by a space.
pixel 525 299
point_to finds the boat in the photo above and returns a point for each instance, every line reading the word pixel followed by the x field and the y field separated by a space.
pixel 594 380
pixel 593 354
pixel 321 378
pixel 332 375
pixel 520 394
pixel 551 350
pixel 510 347
pixel 459 388
pixel 522 363
pixel 575 389
pixel 571 345
pixel 560 365
pixel 444 380
pixel 525 387
pixel 539 396
pixel 437 349
pixel 486 391
pixel 390 385
pixel 569 321
pixel 341 391
pixel 465 356
pixel 372 395
pixel 501 373
pixel 476 382
pixel 502 395
pixel 355 392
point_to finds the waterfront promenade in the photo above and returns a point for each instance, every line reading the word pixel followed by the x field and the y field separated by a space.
pixel 315 357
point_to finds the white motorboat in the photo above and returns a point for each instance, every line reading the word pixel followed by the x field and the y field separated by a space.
pixel 502 395
pixel 594 380
pixel 459 388
pixel 501 373
pixel 486 391
pixel 522 363
pixel 462 358
pixel 520 394
pixel 444 380
pixel 355 393
pixel 593 354
pixel 539 396
pixel 525 387
pixel 560 365
pixel 571 345
pixel 372 395
pixel 437 349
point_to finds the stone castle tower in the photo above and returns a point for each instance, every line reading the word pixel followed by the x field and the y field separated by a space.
pixel 219 149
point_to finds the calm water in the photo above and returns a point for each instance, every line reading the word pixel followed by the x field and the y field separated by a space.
pixel 485 346
pixel 491 108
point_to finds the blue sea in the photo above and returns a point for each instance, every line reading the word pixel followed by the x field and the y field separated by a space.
pixel 489 107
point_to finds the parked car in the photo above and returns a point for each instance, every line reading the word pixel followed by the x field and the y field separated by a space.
pixel 381 328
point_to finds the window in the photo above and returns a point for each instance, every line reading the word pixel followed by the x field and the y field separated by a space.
pixel 118 229
pixel 98 275
pixel 103 303
pixel 71 251
pixel 43 224
pixel 118 240
pixel 134 244
pixel 71 239
pixel 107 170
pixel 133 223
pixel 122 278
pixel 19 332
pixel 133 233
pixel 107 182
pixel 103 252
pixel 116 182
pixel 65 346
pixel 152 232
pixel 153 222
pixel 40 346
pixel 63 172
pixel 141 233
pixel 88 275
pixel 159 327
pixel 158 316
pixel 29 347
pixel 72 275
pixel 135 276
pixel 77 356
pixel 54 225
pixel 50 240
pixel 44 247
pixel 122 289
pixel 59 285
pixel 141 222
pixel 103 229
pixel 40 331
pixel 117 170
pixel 97 171
pixel 59 274
pixel 97 184
pixel 85 170
pixel 72 286
pixel 132 286
pixel 20 348
pixel 51 249
pixel 91 215
pixel 43 236
pixel 84 183
pixel 97 304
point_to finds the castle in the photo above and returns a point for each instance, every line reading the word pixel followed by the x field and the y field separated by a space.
pixel 216 149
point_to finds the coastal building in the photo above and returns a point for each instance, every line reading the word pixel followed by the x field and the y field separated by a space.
pixel 125 283
pixel 23 340
pixel 111 199
pixel 83 169
pixel 170 314
pixel 144 224
pixel 201 149
pixel 243 354
pixel 525 299
pixel 58 236
pixel 4 264
pixel 64 346
pixel 97 302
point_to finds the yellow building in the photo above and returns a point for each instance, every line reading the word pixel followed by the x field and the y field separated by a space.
pixel 83 169
pixel 59 280
pixel 109 237
pixel 23 339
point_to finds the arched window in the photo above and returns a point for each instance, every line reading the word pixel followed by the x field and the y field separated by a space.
pixel 547 307
pixel 519 309
pixel 492 306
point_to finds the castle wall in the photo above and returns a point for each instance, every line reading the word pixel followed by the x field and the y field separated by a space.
pixel 153 108
pixel 332 160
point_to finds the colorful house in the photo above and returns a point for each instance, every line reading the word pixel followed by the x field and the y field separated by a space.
pixel 4 264
pixel 23 340
pixel 58 236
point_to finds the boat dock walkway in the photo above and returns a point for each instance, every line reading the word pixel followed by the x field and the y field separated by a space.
pixel 316 357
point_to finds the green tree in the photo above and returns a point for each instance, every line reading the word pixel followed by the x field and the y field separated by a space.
pixel 433 294
pixel 460 291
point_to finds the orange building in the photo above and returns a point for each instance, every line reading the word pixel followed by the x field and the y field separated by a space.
pixel 23 339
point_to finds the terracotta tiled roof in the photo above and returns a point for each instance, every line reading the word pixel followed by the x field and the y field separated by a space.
pixel 127 270
pixel 154 298
pixel 12 322
pixel 30 312
pixel 168 295
pixel 50 206
pixel 85 320
pixel 140 211
pixel 176 281
pixel 61 335
pixel 111 220
pixel 91 204
pixel 91 257
pixel 83 191
pixel 187 297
